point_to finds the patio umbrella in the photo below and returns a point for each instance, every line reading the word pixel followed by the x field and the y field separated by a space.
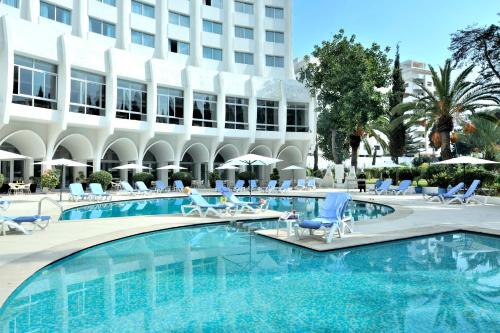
pixel 293 168
pixel 227 167
pixel 171 167
pixel 7 155
pixel 131 166
pixel 252 159
pixel 466 160
pixel 63 162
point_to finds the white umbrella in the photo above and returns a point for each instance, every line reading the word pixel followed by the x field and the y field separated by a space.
pixel 171 167
pixel 293 168
pixel 227 167
pixel 131 166
pixel 466 160
pixel 252 159
pixel 64 162
pixel 6 156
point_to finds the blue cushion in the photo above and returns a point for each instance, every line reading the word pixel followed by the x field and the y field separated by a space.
pixel 22 219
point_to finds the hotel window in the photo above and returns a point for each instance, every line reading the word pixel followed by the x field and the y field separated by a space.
pixel 35 83
pixel 204 110
pixel 296 117
pixel 213 3
pixel 108 2
pixel 212 26
pixel 275 61
pixel 275 12
pixel 243 58
pixel 101 27
pixel 88 93
pixel 142 38
pixel 243 7
pixel 267 115
pixel 143 9
pixel 170 106
pixel 212 53
pixel 12 3
pixel 131 101
pixel 275 37
pixel 176 46
pixel 178 19
pixel 55 13
pixel 236 113
pixel 243 32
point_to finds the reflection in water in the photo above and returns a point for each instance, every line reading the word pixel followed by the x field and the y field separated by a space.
pixel 213 279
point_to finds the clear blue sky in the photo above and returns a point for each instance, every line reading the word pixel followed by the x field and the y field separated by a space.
pixel 422 27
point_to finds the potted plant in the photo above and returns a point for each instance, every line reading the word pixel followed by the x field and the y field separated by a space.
pixel 102 177
pixel 185 177
pixel 145 177
pixel 34 182
pixel 50 179
pixel 246 176
pixel 212 177
pixel 441 180
pixel 275 175
pixel 82 180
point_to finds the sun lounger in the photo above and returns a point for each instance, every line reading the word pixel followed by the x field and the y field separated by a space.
pixel 241 206
pixel 142 188
pixel 15 222
pixel 98 193
pixel 253 185
pixel 239 186
pixel 301 184
pixel 76 192
pixel 331 218
pixel 160 186
pixel 219 185
pixel 467 197
pixel 201 207
pixel 384 187
pixel 403 187
pixel 271 186
pixel 179 185
pixel 128 188
pixel 285 187
pixel 448 195
pixel 311 184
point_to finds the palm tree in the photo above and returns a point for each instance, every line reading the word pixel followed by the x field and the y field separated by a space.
pixel 485 136
pixel 451 100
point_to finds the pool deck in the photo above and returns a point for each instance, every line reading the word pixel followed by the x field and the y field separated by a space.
pixel 23 255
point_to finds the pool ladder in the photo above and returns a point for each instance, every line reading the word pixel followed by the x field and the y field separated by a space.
pixel 52 201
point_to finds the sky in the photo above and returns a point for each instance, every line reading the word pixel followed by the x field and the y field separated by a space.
pixel 422 27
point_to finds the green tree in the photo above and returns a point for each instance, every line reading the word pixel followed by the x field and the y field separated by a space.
pixel 451 100
pixel 345 77
pixel 396 129
pixel 485 137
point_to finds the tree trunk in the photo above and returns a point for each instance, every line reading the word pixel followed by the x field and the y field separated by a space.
pixel 315 156
pixel 354 141
pixel 445 145
pixel 334 147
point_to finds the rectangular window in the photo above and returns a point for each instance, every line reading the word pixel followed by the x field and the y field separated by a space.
pixel 55 13
pixel 275 37
pixel 243 7
pixel 296 120
pixel 212 26
pixel 236 113
pixel 267 116
pixel 178 19
pixel 88 93
pixel 212 53
pixel 176 46
pixel 143 9
pixel 35 83
pixel 12 3
pixel 131 101
pixel 108 2
pixel 275 61
pixel 275 12
pixel 213 3
pixel 243 58
pixel 170 106
pixel 204 110
pixel 142 38
pixel 243 32
pixel 101 27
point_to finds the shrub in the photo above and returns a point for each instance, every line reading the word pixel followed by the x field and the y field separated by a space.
pixel 50 178
pixel 2 178
pixel 441 179
pixel 246 176
pixel 102 177
pixel 212 177
pixel 486 177
pixel 275 175
pixel 185 177
pixel 145 177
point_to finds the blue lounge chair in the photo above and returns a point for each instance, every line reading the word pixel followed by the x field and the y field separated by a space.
pixel 15 222
pixel 98 193
pixel 448 195
pixel 253 185
pixel 467 197
pixel 179 185
pixel 161 186
pixel 271 186
pixel 331 217
pixel 219 185
pixel 240 205
pixel 128 188
pixel 403 187
pixel 285 187
pixel 239 186
pixel 301 184
pixel 76 192
pixel 201 207
pixel 384 187
pixel 311 184
pixel 142 188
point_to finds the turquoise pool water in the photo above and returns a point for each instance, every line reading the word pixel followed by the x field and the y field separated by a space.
pixel 308 207
pixel 219 279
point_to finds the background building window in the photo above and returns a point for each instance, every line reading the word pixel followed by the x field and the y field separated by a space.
pixel 176 46
pixel 35 83
pixel 243 58
pixel 275 12
pixel 275 37
pixel 213 3
pixel 12 3
pixel 275 61
pixel 108 2
pixel 178 19
pixel 143 9
pixel 170 106
pixel 101 27
pixel 237 113
pixel 55 13
pixel 88 93
pixel 212 26
pixel 204 110
pixel 243 32
pixel 243 7
pixel 212 53
pixel 142 38
pixel 267 115
pixel 296 120
pixel 131 101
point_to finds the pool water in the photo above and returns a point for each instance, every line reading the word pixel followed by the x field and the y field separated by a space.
pixel 220 279
pixel 308 207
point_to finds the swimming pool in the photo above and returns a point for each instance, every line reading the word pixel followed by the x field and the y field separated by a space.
pixel 308 207
pixel 219 279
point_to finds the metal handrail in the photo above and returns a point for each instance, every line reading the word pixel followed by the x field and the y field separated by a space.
pixel 61 208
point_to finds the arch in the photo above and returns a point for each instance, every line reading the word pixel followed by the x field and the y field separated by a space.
pixel 290 155
pixel 125 149
pixel 198 151
pixel 78 145
pixel 262 150
pixel 28 143
pixel 162 150
pixel 227 151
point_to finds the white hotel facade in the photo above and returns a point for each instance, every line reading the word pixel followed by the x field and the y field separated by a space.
pixel 189 82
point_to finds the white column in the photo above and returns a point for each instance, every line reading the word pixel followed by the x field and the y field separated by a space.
pixel 64 80
pixel 289 70
pixel 152 88
pixel 123 34
pixel 196 19
pixel 221 108
pixel 30 10
pixel 229 35
pixel 188 104
pixel 161 36
pixel 282 113
pixel 111 91
pixel 260 57
pixel 80 18
pixel 7 66
pixel 252 111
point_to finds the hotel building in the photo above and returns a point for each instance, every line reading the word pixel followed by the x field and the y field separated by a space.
pixel 189 82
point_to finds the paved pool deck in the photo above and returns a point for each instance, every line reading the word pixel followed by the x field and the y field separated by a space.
pixel 23 255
